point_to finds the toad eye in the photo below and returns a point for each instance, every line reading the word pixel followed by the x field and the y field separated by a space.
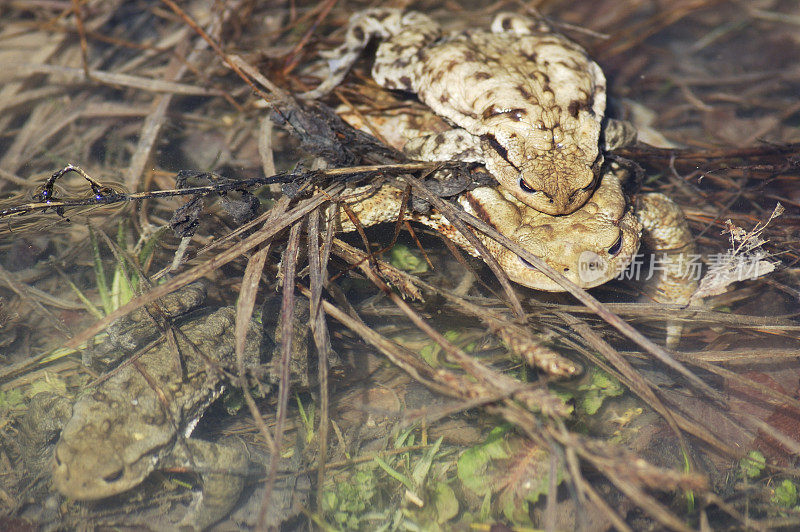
pixel 616 247
pixel 525 188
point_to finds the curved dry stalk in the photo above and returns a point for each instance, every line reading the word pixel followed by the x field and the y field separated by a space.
pixel 244 312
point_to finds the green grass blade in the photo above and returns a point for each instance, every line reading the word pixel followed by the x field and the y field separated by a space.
pixel 100 274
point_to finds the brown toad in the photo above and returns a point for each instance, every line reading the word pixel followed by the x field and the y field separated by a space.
pixel 527 102
pixel 138 420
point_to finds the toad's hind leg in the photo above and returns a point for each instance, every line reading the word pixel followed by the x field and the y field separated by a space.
pixel 397 58
pixel 676 265
pixel 407 32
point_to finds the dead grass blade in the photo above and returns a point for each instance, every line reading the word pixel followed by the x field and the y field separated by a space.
pixel 643 389
pixel 318 257
pixel 244 312
pixel 289 268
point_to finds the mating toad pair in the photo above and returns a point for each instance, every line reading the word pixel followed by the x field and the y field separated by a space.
pixel 530 105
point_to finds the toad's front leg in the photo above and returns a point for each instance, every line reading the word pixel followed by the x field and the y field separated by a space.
pixel 221 467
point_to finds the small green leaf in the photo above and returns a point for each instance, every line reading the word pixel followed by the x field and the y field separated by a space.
pixel 423 465
pixel 601 386
pixel 445 502
pixel 100 274
pixel 91 307
pixel 121 290
pixel 146 253
pixel 475 462
pixel 472 464
pixel 10 399
pixel 486 507
pixel 329 501
pixel 516 511
pixel 405 438
pixel 592 401
pixel 402 258
pixel 785 494
pixel 395 474
pixel 752 465
pixel 601 379
pixel 430 354
pixel 307 418
pixel 452 336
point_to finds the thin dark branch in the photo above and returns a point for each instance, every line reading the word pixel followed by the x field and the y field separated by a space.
pixel 46 199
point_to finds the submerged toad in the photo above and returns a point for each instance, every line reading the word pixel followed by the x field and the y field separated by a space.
pixel 527 102
pixel 139 419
